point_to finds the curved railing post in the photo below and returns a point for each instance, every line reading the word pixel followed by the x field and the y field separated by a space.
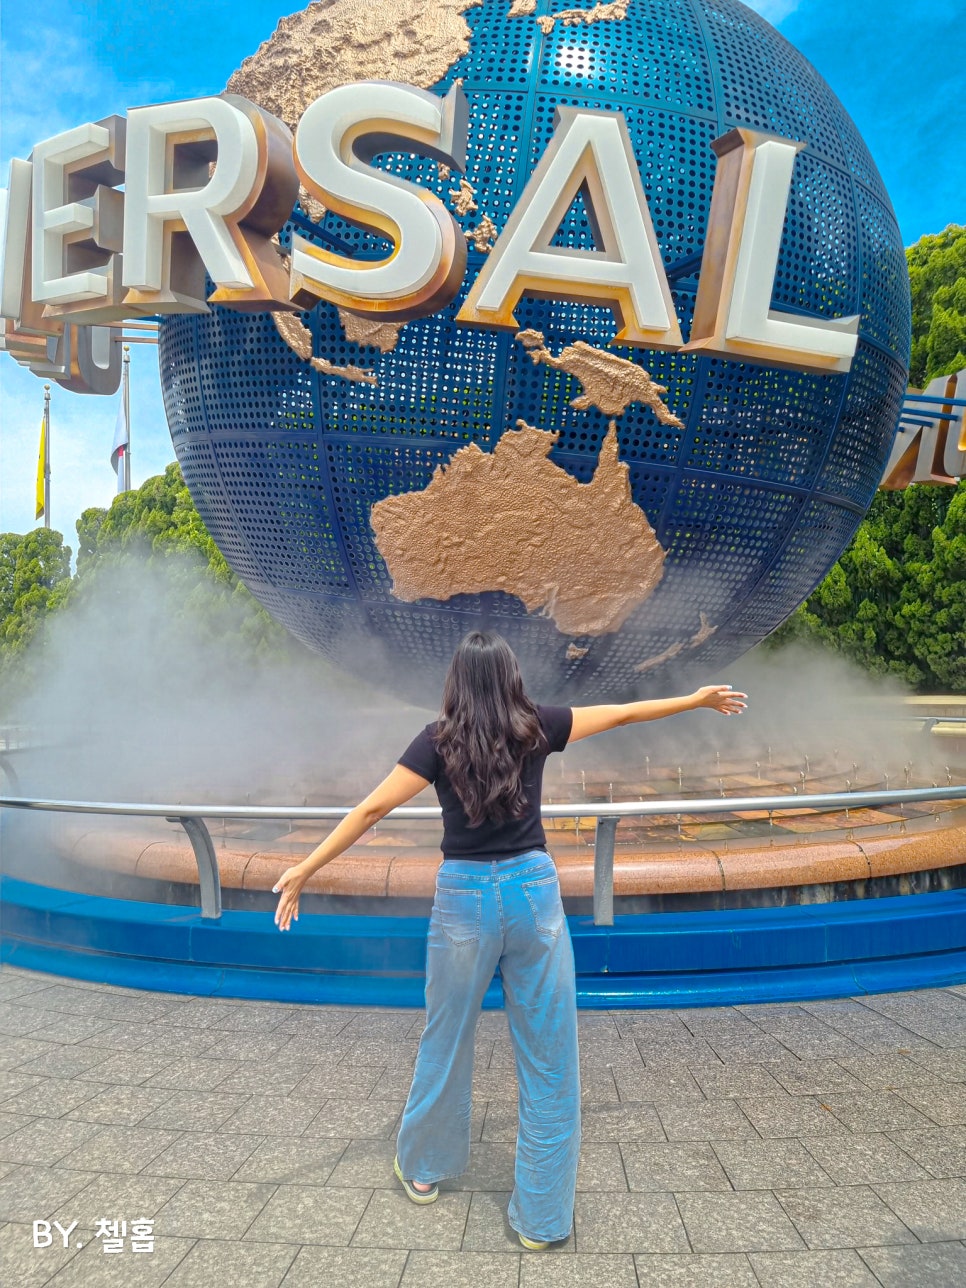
pixel 209 878
pixel 604 839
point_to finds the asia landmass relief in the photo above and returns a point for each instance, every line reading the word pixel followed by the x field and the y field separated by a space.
pixel 511 520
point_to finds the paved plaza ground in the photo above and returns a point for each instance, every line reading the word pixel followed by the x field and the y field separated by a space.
pixel 819 1144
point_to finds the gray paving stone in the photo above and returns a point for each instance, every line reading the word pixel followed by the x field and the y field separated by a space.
pixel 384 1023
pixel 119 1149
pixel 815 1077
pixel 704 1120
pixel 491 1168
pixel 309 1214
pixel 365 1164
pixel 846 1217
pixel 763 1164
pixel 179 1044
pixel 628 1223
pixel 658 1053
pixel 33 1193
pixel 368 1119
pixel 13 1083
pixel 948 1065
pixel 726 1270
pixel 648 1085
pixel 601 1168
pixel 217 1261
pixel 290 1160
pixel 488 1084
pixel 318 1267
pixel 51 1097
pixel 205 1155
pixel 128 1067
pixel 9 1123
pixel 597 1086
pixel 383 1054
pixel 547 1270
pixel 346 1083
pixel 732 1080
pixel 392 1221
pixel 194 1110
pixel 58 1061
pixel 205 1209
pixel 280 1115
pixel 885 1072
pixel 688 1165
pixel 935 1211
pixel 45 1141
pixel 103 1035
pixel 751 1049
pixel 253 1049
pixel 863 1159
pixel 944 1103
pixel 607 1122
pixel 875 1111
pixel 117 1197
pixel 940 1150
pixel 746 1222
pixel 234 1018
pixel 198 1073
pixel 620 1053
pixel 123 1106
pixel 937 1265
pixel 781 1116
pixel 487 1228
pixel 93 1268
pixel 15 1021
pixel 833 1269
pixel 17 1051
pixel 24 1266
pixel 462 1269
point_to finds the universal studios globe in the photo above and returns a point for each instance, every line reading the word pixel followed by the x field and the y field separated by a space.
pixel 751 498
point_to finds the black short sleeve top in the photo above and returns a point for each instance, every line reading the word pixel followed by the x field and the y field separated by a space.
pixel 490 840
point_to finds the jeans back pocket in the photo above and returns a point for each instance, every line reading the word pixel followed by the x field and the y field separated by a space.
pixel 459 913
pixel 546 906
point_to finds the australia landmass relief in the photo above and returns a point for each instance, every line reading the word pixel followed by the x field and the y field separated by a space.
pixel 511 520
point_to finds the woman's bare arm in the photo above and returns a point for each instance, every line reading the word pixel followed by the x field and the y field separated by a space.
pixel 398 787
pixel 716 697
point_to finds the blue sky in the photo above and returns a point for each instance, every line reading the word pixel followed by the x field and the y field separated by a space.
pixel 895 64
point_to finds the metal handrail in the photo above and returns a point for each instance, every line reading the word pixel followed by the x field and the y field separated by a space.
pixel 606 816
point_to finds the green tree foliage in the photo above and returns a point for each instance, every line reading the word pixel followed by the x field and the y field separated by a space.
pixel 154 529
pixel 159 525
pixel 896 600
pixel 34 580
pixel 937 278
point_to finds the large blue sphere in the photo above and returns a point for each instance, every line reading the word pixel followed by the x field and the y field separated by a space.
pixel 753 499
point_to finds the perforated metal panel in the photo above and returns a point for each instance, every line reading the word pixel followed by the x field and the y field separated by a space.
pixel 753 499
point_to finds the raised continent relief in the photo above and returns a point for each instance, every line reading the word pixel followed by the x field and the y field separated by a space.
pixel 510 520
pixel 614 12
pixel 610 382
pixel 333 42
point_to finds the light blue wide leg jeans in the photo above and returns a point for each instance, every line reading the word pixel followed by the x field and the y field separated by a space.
pixel 509 914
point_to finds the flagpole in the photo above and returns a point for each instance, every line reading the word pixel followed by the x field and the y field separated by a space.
pixel 126 372
pixel 46 456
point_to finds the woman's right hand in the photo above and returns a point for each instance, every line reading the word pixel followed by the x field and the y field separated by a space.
pixel 289 885
pixel 720 697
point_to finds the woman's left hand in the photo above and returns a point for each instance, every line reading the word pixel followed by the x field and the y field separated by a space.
pixel 289 885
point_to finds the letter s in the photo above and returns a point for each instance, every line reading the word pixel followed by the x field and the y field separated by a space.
pixel 336 138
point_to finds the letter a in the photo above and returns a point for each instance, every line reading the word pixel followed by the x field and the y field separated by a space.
pixel 590 153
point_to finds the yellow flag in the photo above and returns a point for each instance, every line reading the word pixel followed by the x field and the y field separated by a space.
pixel 40 469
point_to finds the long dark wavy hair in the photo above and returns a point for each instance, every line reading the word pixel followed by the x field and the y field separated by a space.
pixel 487 727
